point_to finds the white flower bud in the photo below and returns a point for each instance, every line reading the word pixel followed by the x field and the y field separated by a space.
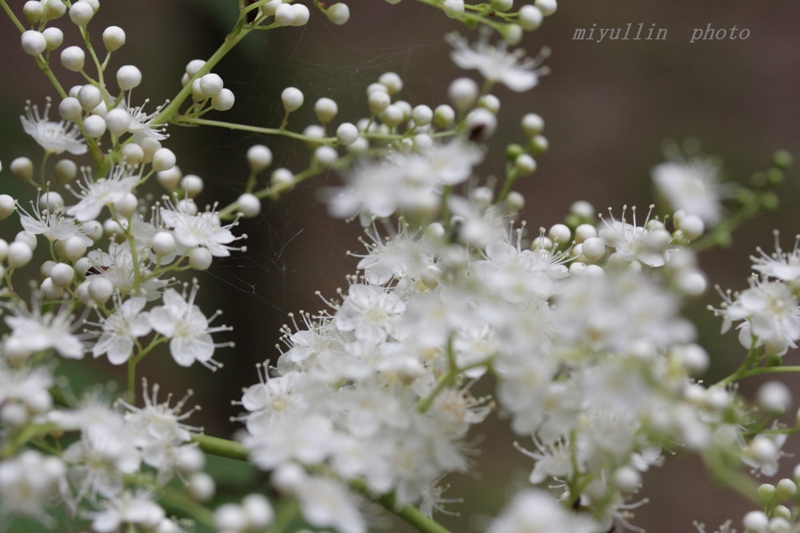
pixel 325 156
pixel 211 85
pixel 128 77
pixel 81 13
pixel 560 233
pixel 7 207
pixel 443 116
pixel 338 13
pixel 774 397
pixel 249 205
pixel 756 522
pixel 89 96
pixel 223 101
pixel 112 228
pixel 284 15
pixel 170 179
pixel 33 42
pixel 453 8
pixel 786 489
pixel 314 132
pixel 201 487
pixel 463 93
pixel 422 115
pixel 113 38
pixel 378 101
pixel 525 164
pixel 118 121
pixel 100 110
pixel 515 201
pixel 627 479
pixel 691 226
pixel 27 238
pixel 258 510
pixel 229 516
pixel 481 124
pixel 19 254
pixel 292 98
pixel 74 248
pixel 127 205
pixel 346 133
pixel 94 3
pixel 50 290
pixel 62 275
pixel 163 159
pixel 270 7
pixel 70 109
pixel 392 116
pixel 51 201
pixel 33 11
pixel 282 177
pixel 423 142
pixel 539 144
pixel 150 146
pixel 54 37
pixel 22 168
pixel 326 109
pixel 132 154
pixel 512 34
pixel 92 229
pixel 532 124
pixel 502 5
pixel 392 81
pixel 547 7
pixel 163 243
pixel 192 184
pixel 259 157
pixel 189 460
pixel 200 259
pixel 94 125
pixel 65 170
pixel 46 268
pixel 194 66
pixel 54 9
pixel 100 289
pixel 490 102
pixel 530 17
pixel 301 15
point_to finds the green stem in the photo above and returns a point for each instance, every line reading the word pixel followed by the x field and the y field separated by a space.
pixel 176 500
pixel 255 129
pixel 221 447
pixel 757 371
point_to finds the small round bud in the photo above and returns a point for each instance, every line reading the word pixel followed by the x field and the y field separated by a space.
pixel 33 11
pixel 19 254
pixel 422 115
pixel 54 37
pixel 163 243
pixel 81 13
pixel 70 109
pixel 325 109
pixel 201 487
pixel 249 205
pixel 163 159
pixel 188 206
pixel 378 101
pixel 443 116
pixel 282 177
pixel 301 15
pixel 338 13
pixel 149 147
pixel 372 87
pixel 127 205
pixel 211 85
pixel 7 207
pixel 490 102
pixel 50 290
pixel 346 133
pixel 73 58
pixel 200 259
pixel 192 185
pixel 54 9
pixel 89 96
pixel 453 8
pixel 530 17
pixel 463 93
pixel 51 201
pixel 392 116
pixel 292 98
pixel 547 7
pixel 100 289
pixel 74 248
pixel 259 157
pixel 538 144
pixel 693 358
pixel 512 34
pixel 481 124
pixel 33 42
pixel 392 82
pixel 128 77
pixel 118 121
pixel 94 125
pixel 525 164
pixel 170 179
pixel 502 5
pixel 258 510
pixel 756 522
pixel 627 479
pixel 224 100
pixel 560 233
pixel 65 170
pixel 774 397
pixel 113 38
pixel 132 154
pixel 691 226
pixel 785 489
pixel 92 229
pixel 62 275
pixel 325 156
pixel 229 516
pixel 284 15
pixel 532 124
pixel 22 168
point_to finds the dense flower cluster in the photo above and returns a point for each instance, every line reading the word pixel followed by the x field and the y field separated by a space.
pixel 577 328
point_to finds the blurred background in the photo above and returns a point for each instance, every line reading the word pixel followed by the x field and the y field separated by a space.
pixel 608 109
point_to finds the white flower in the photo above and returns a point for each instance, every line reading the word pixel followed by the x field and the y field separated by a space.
pixel 369 312
pixel 202 229
pixel 32 331
pixel 53 225
pixel 495 63
pixel 187 327
pixel 780 265
pixel 648 243
pixel 692 186
pixel 105 191
pixel 121 329
pixel 128 508
pixel 54 137
pixel 328 503
pixel 141 125
pixel 29 483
